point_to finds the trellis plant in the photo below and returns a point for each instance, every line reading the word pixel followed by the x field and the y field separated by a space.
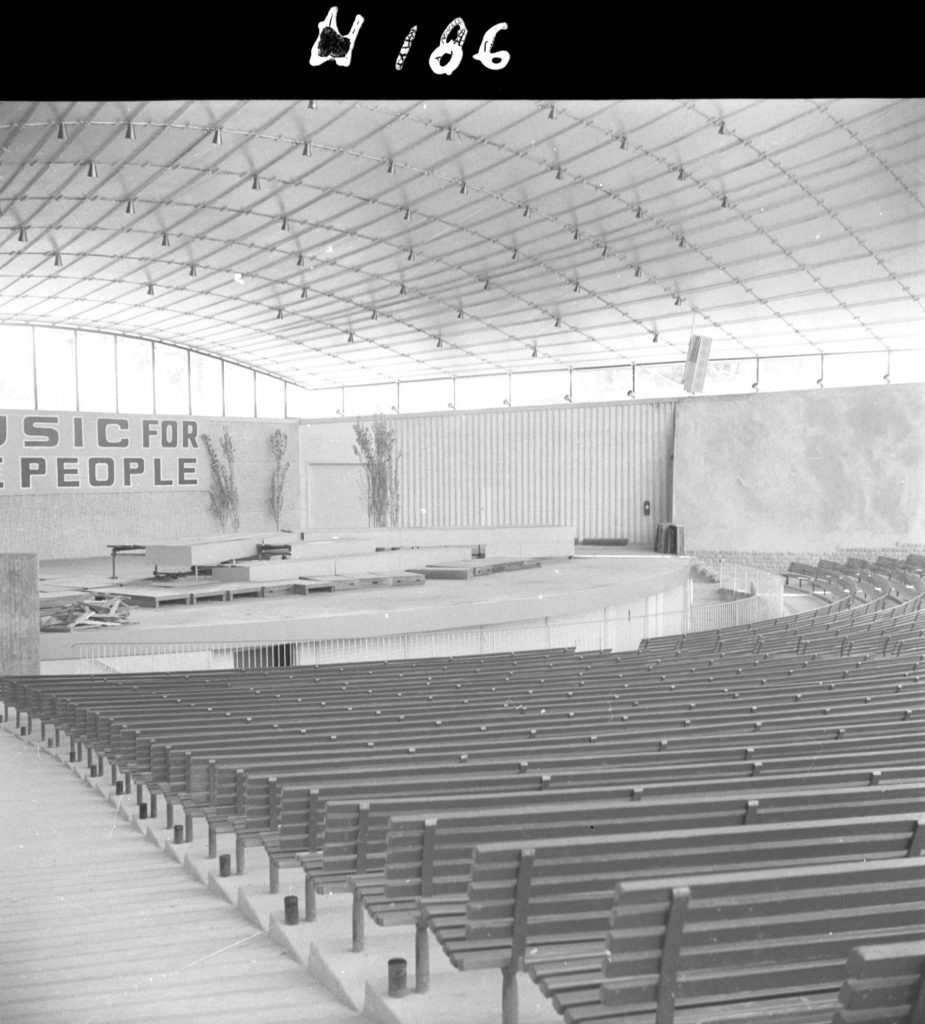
pixel 279 441
pixel 376 448
pixel 223 494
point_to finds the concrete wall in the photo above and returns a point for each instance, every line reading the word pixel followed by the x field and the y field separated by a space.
pixel 68 505
pixel 801 473
pixel 19 614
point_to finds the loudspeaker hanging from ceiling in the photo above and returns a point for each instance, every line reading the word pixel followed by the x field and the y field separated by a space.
pixel 695 369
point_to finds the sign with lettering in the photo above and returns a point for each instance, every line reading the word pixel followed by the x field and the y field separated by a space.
pixel 59 452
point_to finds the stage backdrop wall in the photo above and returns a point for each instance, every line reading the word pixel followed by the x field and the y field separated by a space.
pixel 71 483
pixel 591 467
pixel 802 471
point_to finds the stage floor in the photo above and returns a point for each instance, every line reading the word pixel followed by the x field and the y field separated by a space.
pixel 560 587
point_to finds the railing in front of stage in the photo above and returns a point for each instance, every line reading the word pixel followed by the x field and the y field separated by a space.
pixel 737 579
pixel 617 633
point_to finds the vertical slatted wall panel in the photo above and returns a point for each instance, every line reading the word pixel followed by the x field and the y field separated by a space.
pixel 588 466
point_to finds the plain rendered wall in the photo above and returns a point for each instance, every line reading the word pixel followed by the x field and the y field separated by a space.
pixel 811 471
pixel 590 467
pixel 79 522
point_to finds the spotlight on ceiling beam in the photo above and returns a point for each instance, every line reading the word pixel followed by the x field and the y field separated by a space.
pixel 150 289
pixel 391 167
pixel 677 300
pixel 655 338
pixel 130 132
pixel 558 321
pixel 507 402
pixel 605 253
pixel 91 170
pixel 312 104
pixel 23 235
pixel 552 113
pixel 459 314
pixel 622 142
pixel 165 240
pixel 411 255
pixel 279 314
pixel 439 342
pixel 680 174
pixel 820 382
pixel 755 386
pixel 631 393
pixel 406 213
pixel 193 272
pixel 303 294
pixel 682 241
pixel 566 398
pixel 403 290
pixel 638 213
pixel 285 224
pixel 58 261
pixel 534 350
pixel 256 186
pixel 307 148
pixel 526 211
pixel 217 137
pixel 724 203
pixel 375 315
pixel 395 409
pixel 337 412
pixel 350 338
pixel 487 286
pixel 577 288
pixel 722 127
pixel 515 255
pixel 577 235
pixel 464 189
pixel 449 134
pixel 450 405
pixel 62 131
pixel 300 261
pixel 129 205
pixel 638 271
pixel 559 174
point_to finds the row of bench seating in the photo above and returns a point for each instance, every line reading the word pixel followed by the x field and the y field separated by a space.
pixel 398 780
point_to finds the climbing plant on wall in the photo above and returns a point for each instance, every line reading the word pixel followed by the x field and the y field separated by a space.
pixel 279 441
pixel 376 449
pixel 223 494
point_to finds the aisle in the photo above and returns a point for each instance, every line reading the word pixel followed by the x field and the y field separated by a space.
pixel 98 926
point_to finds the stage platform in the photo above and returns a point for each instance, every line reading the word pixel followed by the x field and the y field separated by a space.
pixel 559 589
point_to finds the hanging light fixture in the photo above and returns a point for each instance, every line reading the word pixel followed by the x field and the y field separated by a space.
pixel 577 288
pixel 655 338
pixel 534 350
pixel 459 314
pixel 375 315
pixel 62 131
pixel 724 203
pixel 312 104
pixel 279 314
pixel 217 137
pixel 350 338
pixel 300 261
pixel 256 186
pixel 165 240
pixel 526 211
pixel 58 261
pixel 638 271
pixel 622 142
pixel 129 205
pixel 464 189
pixel 680 174
pixel 449 134
pixel 391 167
pixel 91 170
pixel 515 255
pixel 193 272
pixel 403 290
pixel 411 255
pixel 558 321
pixel 130 131
pixel 23 235
pixel 150 289
pixel 303 294
pixel 577 235
pixel 406 213
pixel 285 225
pixel 307 148
pixel 677 300
pixel 439 342
pixel 559 174
pixel 552 113
pixel 487 286
pixel 605 253
pixel 638 213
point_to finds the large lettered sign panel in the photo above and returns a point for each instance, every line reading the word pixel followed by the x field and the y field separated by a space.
pixel 43 453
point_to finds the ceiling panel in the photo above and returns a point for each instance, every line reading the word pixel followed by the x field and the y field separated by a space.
pixel 802 225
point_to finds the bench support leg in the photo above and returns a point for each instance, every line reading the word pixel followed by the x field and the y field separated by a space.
pixel 359 924
pixel 239 856
pixel 311 901
pixel 274 876
pixel 169 815
pixel 213 842
pixel 421 957
pixel 509 1009
pixel 152 804
pixel 188 832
